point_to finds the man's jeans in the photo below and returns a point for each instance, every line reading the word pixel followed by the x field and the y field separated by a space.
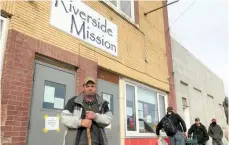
pixel 177 139
pixel 217 143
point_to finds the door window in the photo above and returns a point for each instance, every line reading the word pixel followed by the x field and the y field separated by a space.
pixel 54 95
pixel 109 98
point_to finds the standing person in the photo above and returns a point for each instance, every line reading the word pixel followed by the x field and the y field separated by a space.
pixel 87 110
pixel 216 133
pixel 199 132
pixel 174 127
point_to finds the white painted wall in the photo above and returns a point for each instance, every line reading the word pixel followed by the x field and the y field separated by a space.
pixel 203 90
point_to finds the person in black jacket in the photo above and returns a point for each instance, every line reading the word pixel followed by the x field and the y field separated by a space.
pixel 177 133
pixel 216 133
pixel 199 132
pixel 88 110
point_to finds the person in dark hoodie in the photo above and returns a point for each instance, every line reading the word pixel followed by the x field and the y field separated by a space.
pixel 216 133
pixel 199 132
pixel 174 126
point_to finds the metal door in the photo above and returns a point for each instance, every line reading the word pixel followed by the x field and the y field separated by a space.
pixel 109 92
pixel 53 87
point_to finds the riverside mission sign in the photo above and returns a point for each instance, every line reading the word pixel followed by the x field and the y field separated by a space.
pixel 79 20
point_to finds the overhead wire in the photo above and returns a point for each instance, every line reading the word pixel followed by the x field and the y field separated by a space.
pixel 192 4
pixel 168 29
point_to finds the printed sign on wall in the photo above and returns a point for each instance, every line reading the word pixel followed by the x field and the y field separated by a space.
pixel 79 20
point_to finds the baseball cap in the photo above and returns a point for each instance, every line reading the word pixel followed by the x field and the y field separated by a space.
pixel 197 119
pixel 213 120
pixel 169 109
pixel 89 79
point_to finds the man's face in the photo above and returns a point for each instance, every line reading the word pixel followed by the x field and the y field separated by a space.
pixel 197 122
pixel 89 89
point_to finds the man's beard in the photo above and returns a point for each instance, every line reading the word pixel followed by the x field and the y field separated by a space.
pixel 89 97
pixel 91 94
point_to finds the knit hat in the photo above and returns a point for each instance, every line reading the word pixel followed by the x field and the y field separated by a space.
pixel 213 120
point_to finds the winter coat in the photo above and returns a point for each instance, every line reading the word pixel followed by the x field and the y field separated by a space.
pixel 199 133
pixel 177 122
pixel 215 132
pixel 74 112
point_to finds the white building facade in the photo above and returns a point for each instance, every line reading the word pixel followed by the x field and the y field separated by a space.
pixel 199 92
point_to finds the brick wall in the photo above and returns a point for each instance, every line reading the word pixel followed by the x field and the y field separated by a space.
pixel 17 81
pixel 141 50
pixel 108 76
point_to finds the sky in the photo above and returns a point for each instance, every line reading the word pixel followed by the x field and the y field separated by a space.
pixel 201 26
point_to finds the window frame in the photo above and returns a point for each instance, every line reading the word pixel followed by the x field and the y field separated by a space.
pixel 3 39
pixel 136 85
pixel 118 9
pixel 53 109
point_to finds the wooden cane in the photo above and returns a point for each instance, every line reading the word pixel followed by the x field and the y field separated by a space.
pixel 89 136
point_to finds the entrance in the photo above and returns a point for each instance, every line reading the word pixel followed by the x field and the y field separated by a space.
pixel 187 116
pixel 52 88
pixel 109 92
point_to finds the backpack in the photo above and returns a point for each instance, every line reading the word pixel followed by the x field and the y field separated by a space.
pixel 168 126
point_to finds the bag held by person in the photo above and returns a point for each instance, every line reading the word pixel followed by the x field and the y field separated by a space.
pixel 168 126
pixel 161 141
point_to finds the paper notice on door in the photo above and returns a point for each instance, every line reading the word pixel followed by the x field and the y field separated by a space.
pixel 52 123
pixel 49 94
pixel 106 97
pixel 59 103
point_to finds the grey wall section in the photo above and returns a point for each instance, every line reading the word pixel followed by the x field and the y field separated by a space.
pixel 203 90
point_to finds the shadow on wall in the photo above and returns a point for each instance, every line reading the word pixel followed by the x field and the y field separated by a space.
pixel 225 106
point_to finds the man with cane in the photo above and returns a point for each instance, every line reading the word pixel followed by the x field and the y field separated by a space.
pixel 86 116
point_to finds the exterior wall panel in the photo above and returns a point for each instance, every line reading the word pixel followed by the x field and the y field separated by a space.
pixel 205 89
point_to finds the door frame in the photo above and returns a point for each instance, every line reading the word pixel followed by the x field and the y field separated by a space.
pixel 118 103
pixel 46 64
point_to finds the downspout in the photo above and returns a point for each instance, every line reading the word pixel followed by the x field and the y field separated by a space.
pixel 172 94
